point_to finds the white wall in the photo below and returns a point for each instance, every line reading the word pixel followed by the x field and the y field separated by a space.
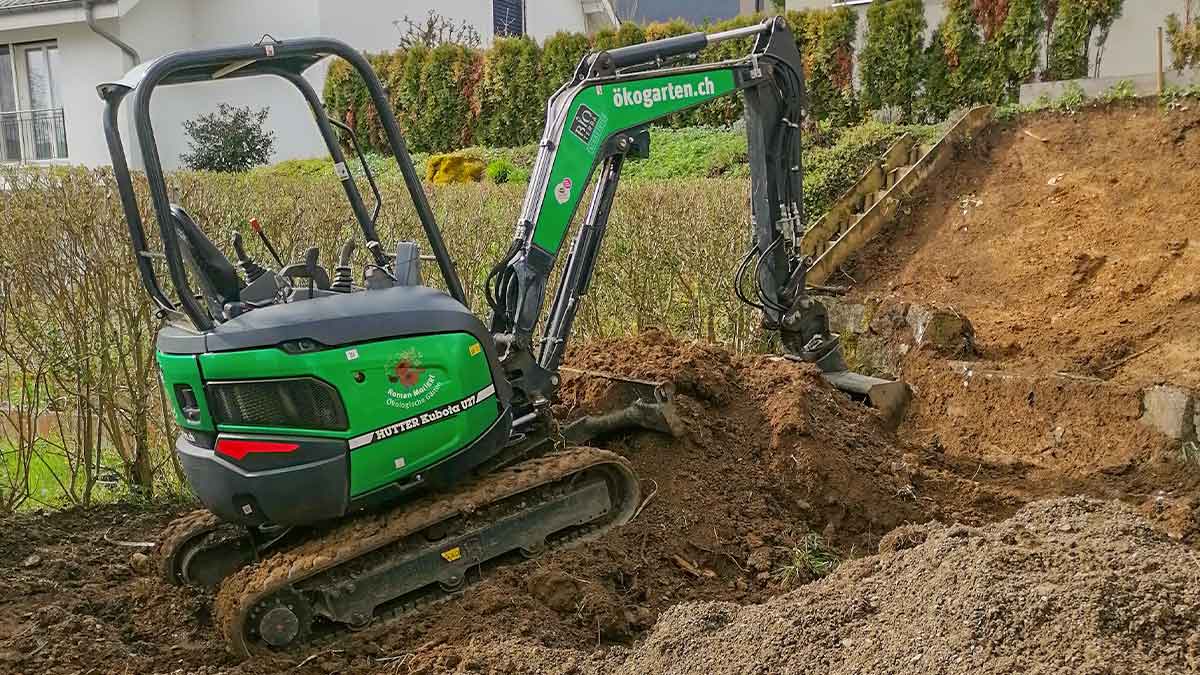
pixel 162 26
pixel 157 27
pixel 367 24
pixel 86 60
pixel 546 17
pixel 1131 49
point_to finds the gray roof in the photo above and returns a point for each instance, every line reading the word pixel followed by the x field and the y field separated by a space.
pixel 13 6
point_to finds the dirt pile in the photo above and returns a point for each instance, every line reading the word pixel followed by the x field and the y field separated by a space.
pixel 1070 585
pixel 775 473
pixel 1073 256
pixel 1077 253
pixel 772 457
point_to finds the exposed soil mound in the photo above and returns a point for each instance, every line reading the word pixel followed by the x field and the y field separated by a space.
pixel 772 456
pixel 1076 254
pixel 1070 585
pixel 1065 586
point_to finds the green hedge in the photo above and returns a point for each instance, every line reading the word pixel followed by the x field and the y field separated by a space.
pixel 892 61
pixel 450 97
pixel 981 52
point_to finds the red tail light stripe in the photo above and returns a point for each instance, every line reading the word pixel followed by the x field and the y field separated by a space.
pixel 238 449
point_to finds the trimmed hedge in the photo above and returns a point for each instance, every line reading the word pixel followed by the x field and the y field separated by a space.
pixel 451 97
pixel 982 51
pixel 893 58
pixel 1070 39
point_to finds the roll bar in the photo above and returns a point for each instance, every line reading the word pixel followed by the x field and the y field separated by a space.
pixel 285 59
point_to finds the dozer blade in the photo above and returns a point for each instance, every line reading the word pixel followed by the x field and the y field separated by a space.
pixel 384 565
pixel 634 404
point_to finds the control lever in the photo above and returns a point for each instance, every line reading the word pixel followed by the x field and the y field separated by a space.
pixel 250 268
pixel 311 257
pixel 309 269
pixel 257 227
pixel 343 275
pixel 376 277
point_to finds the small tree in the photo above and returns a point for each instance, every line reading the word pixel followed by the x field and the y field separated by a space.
pixel 1184 36
pixel 893 58
pixel 1075 22
pixel 232 139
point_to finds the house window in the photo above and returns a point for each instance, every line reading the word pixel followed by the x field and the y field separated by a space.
pixel 10 140
pixel 508 17
pixel 31 115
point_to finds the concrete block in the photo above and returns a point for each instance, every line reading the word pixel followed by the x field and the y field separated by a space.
pixel 1171 411
pixel 1143 85
pixel 942 329
pixel 846 317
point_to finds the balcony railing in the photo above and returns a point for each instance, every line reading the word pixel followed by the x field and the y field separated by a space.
pixel 32 136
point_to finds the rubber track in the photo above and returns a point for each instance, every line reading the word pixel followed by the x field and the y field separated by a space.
pixel 242 591
pixel 179 532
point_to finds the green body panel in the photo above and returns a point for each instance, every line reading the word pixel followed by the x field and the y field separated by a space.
pixel 612 108
pixel 184 369
pixel 401 379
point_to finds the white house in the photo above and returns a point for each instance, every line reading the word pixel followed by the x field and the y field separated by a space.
pixel 53 53
pixel 1130 49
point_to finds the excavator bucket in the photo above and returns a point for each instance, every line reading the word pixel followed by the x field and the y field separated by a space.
pixel 890 397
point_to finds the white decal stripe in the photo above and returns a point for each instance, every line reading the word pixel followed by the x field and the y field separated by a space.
pixel 371 436
pixel 359 441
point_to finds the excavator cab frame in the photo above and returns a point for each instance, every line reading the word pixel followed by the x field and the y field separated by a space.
pixel 269 57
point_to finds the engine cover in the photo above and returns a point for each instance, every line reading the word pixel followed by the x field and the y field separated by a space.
pixel 301 412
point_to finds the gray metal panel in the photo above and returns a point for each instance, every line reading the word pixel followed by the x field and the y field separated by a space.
pixel 334 320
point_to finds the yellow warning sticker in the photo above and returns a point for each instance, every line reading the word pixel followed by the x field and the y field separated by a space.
pixel 452 554
pixel 474 349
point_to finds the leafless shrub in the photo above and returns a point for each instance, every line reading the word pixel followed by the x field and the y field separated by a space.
pixel 435 30
pixel 77 366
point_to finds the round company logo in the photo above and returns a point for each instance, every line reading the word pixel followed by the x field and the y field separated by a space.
pixel 413 384
pixel 405 373
pixel 562 191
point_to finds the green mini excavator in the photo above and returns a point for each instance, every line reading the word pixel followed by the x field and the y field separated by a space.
pixel 361 441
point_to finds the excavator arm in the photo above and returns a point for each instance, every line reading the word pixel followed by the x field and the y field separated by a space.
pixel 598 120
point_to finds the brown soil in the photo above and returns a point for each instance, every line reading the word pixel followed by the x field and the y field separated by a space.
pixel 773 459
pixel 1075 260
pixel 772 455
pixel 1076 254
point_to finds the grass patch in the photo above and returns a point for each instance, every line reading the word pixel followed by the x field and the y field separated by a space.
pixel 833 159
pixel 1176 98
pixel 45 476
pixel 814 558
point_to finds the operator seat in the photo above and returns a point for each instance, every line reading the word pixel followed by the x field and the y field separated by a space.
pixel 220 274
